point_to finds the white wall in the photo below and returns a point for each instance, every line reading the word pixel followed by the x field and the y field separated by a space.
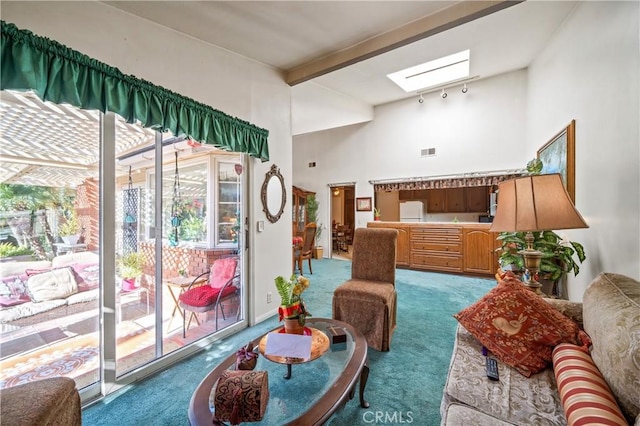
pixel 216 77
pixel 481 130
pixel 589 72
pixel 315 108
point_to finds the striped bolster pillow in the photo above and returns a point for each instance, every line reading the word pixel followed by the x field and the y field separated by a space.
pixel 585 396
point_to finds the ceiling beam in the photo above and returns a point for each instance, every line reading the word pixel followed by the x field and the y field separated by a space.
pixel 40 162
pixel 453 16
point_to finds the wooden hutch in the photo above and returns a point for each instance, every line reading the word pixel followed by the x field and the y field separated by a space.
pixel 300 218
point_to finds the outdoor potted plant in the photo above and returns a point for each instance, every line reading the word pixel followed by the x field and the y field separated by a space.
pixel 292 308
pixel 69 230
pixel 130 268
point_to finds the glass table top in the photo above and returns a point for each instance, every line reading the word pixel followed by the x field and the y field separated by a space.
pixel 315 388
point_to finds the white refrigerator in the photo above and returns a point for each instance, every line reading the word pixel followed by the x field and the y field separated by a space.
pixel 411 211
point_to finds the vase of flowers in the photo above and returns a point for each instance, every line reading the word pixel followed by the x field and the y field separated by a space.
pixel 292 308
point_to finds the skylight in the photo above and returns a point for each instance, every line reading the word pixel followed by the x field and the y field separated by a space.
pixel 433 73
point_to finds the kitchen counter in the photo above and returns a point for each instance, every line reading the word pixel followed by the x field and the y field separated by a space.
pixel 457 247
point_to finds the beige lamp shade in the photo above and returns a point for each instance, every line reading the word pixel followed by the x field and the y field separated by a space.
pixel 535 203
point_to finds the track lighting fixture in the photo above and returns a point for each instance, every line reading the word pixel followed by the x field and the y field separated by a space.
pixel 443 94
pixel 420 99
pixel 464 88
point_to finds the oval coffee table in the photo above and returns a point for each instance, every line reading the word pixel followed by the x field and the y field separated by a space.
pixel 316 390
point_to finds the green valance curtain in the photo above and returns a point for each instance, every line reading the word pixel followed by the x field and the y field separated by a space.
pixel 62 75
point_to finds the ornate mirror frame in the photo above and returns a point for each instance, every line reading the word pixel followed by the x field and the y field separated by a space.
pixel 273 182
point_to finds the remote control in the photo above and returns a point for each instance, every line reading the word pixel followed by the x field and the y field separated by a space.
pixel 492 369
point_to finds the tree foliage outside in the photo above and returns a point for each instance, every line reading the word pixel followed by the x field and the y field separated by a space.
pixel 9 250
pixel 312 214
pixel 25 209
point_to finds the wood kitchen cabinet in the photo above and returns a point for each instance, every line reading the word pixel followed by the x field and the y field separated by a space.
pixel 403 248
pixel 477 199
pixel 436 200
pixel 436 248
pixel 459 248
pixel 456 200
pixel 479 254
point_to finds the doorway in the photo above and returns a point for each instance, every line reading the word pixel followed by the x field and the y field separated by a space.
pixel 342 220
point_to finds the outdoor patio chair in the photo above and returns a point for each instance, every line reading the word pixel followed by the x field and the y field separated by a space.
pixel 208 290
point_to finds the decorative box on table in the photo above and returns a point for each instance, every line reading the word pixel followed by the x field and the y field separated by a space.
pixel 337 335
pixel 241 396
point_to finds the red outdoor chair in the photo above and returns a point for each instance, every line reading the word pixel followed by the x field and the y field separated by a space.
pixel 206 295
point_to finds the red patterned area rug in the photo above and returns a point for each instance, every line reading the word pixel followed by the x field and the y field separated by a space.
pixel 79 357
pixel 72 357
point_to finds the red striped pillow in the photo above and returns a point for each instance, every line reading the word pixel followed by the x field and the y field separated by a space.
pixel 585 396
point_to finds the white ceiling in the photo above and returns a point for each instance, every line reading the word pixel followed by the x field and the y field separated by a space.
pixel 288 34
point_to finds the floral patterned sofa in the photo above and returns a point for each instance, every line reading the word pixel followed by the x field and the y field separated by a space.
pixel 610 315
pixel 36 291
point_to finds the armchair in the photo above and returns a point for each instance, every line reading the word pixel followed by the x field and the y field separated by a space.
pixel 204 295
pixel 368 300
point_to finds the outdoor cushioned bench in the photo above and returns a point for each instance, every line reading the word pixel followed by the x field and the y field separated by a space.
pixel 36 291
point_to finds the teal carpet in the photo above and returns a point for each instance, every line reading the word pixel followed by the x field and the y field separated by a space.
pixel 405 385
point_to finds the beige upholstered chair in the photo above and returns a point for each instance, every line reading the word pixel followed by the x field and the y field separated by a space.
pixel 368 300
pixel 54 401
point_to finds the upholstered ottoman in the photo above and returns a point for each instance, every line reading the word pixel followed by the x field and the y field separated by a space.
pixel 45 402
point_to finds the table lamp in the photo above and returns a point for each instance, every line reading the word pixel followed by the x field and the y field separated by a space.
pixel 532 204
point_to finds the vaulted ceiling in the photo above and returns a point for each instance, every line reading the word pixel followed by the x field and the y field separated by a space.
pixel 347 47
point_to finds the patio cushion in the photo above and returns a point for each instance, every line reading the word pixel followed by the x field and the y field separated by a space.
pixel 14 285
pixel 87 275
pixel 54 284
pixel 17 268
pixel 11 301
pixel 222 271
pixel 204 295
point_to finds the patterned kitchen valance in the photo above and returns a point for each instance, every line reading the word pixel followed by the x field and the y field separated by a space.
pixel 446 182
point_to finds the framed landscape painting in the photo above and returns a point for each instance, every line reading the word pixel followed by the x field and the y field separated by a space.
pixel 559 156
pixel 363 204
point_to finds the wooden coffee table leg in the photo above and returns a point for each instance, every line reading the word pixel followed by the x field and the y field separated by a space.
pixel 364 376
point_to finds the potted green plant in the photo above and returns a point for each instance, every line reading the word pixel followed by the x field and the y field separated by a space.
pixel 312 215
pixel 292 308
pixel 376 213
pixel 69 230
pixel 559 256
pixel 130 268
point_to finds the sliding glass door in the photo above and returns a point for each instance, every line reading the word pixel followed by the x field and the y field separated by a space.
pixel 129 220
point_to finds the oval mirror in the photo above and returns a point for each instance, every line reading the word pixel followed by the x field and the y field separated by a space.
pixel 273 194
